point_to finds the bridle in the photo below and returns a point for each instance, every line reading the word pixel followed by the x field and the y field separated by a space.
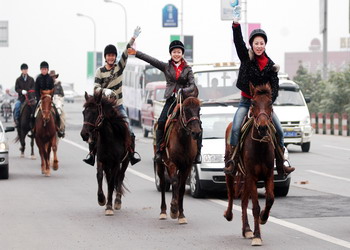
pixel 99 119
pixel 45 120
pixel 184 122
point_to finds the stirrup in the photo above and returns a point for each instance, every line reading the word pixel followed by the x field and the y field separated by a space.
pixel 133 159
pixel 158 157
pixel 90 159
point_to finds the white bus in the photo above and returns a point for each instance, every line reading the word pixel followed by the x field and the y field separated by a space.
pixel 137 74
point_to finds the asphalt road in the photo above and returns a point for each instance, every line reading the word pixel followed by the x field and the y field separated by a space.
pixel 61 211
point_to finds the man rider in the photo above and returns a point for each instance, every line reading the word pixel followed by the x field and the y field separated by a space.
pixel 58 100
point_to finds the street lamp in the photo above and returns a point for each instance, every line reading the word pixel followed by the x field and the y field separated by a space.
pixel 126 27
pixel 93 21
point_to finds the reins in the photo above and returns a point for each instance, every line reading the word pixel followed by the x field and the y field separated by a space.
pixel 183 120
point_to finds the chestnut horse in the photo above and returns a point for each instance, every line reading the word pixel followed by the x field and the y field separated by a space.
pixel 105 127
pixel 45 132
pixel 180 152
pixel 24 123
pixel 257 157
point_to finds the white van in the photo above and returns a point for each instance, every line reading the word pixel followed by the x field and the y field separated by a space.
pixel 293 113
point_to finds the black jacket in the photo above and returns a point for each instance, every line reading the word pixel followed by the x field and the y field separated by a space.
pixel 23 85
pixel 58 90
pixel 249 70
pixel 185 80
pixel 43 82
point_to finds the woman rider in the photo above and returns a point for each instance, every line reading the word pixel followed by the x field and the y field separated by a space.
pixel 256 67
pixel 178 75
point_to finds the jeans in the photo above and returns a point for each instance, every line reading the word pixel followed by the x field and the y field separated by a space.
pixel 164 114
pixel 122 111
pixel 242 111
pixel 16 110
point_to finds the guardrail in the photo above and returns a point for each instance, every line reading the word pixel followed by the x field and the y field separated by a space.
pixel 331 124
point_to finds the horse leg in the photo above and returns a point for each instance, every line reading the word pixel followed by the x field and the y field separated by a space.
pixel 32 149
pixel 119 185
pixel 99 175
pixel 229 184
pixel 22 140
pixel 246 231
pixel 42 157
pixel 54 149
pixel 182 185
pixel 161 174
pixel 110 174
pixel 47 159
pixel 256 213
pixel 174 209
pixel 270 198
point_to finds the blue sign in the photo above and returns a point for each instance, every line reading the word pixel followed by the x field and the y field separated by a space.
pixel 169 16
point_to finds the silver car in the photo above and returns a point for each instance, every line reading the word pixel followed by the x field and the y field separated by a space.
pixel 209 175
pixel 4 152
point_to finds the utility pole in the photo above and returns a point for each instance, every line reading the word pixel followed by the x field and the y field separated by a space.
pixel 324 31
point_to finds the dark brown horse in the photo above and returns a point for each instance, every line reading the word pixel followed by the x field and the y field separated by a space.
pixel 105 126
pixel 45 132
pixel 25 122
pixel 257 154
pixel 180 151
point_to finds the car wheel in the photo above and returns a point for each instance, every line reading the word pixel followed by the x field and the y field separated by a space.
pixel 195 187
pixel 157 180
pixel 4 172
pixel 145 132
pixel 282 191
pixel 305 147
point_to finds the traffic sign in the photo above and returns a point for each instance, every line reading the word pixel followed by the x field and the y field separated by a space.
pixel 170 16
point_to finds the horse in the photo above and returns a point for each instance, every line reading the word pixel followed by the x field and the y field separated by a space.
pixel 25 123
pixel 257 156
pixel 46 132
pixel 105 127
pixel 180 152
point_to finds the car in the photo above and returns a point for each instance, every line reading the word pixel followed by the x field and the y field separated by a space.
pixel 209 175
pixel 4 151
pixel 69 92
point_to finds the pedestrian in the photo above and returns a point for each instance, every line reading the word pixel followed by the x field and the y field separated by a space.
pixel 58 100
pixel 178 75
pixel 256 68
pixel 23 84
pixel 109 80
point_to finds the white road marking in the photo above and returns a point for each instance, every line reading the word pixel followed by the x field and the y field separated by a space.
pixel 280 222
pixel 329 175
pixel 341 148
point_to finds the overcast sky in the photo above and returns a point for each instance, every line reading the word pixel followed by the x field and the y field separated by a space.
pixel 50 30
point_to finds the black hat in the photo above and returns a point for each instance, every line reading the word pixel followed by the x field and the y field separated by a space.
pixel 44 64
pixel 257 32
pixel 110 49
pixel 24 66
pixel 176 44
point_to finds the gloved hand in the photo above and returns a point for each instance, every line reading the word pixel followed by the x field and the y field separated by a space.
pixel 236 14
pixel 24 92
pixel 137 32
pixel 107 92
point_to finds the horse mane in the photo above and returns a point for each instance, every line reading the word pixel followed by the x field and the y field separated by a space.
pixel 191 101
pixel 264 89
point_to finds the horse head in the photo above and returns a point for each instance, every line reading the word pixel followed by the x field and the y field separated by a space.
pixel 190 117
pixel 261 107
pixel 46 103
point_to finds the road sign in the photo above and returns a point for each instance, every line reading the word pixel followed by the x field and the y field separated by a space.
pixel 170 16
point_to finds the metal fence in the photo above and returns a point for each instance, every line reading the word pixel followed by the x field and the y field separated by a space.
pixel 331 124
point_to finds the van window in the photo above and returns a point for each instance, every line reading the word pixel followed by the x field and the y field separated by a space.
pixel 288 97
pixel 153 75
pixel 160 94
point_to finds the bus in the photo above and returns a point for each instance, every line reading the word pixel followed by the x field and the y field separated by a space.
pixel 137 74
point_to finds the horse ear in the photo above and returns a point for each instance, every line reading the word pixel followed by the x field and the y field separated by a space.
pixel 252 89
pixel 98 96
pixel 86 96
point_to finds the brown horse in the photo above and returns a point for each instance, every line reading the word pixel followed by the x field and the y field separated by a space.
pixel 257 157
pixel 180 152
pixel 105 126
pixel 45 132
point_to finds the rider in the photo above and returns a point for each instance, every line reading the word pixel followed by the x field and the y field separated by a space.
pixel 257 68
pixel 45 82
pixel 58 98
pixel 109 80
pixel 178 75
pixel 24 83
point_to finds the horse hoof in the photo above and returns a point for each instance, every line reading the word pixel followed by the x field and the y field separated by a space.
pixel 109 212
pixel 47 174
pixel 262 222
pixel 174 215
pixel 256 242
pixel 117 206
pixel 228 216
pixel 248 235
pixel 182 221
pixel 22 155
pixel 33 157
pixel 101 200
pixel 55 167
pixel 162 216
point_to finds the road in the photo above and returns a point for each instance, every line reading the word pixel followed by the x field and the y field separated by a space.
pixel 61 211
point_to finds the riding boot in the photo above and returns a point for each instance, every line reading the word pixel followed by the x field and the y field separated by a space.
pixel 282 170
pixel 134 157
pixel 90 158
pixel 159 140
pixel 232 162
pixel 198 158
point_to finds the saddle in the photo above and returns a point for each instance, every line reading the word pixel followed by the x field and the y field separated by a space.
pixel 172 118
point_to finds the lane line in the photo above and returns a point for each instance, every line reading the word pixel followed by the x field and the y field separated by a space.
pixel 341 148
pixel 280 222
pixel 329 175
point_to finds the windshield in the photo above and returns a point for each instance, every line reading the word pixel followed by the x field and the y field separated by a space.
pixel 160 94
pixel 217 85
pixel 153 74
pixel 289 98
pixel 214 125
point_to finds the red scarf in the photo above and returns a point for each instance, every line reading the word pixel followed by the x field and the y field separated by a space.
pixel 262 61
pixel 179 69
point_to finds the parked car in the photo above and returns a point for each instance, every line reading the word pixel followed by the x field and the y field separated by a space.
pixel 154 92
pixel 4 152
pixel 209 175
pixel 69 92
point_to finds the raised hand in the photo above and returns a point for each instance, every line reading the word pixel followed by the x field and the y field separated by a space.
pixel 236 14
pixel 137 32
pixel 107 92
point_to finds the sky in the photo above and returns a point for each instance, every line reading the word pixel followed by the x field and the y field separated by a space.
pixel 50 30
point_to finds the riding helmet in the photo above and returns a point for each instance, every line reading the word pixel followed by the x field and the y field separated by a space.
pixel 255 33
pixel 44 64
pixel 176 44
pixel 24 66
pixel 110 49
